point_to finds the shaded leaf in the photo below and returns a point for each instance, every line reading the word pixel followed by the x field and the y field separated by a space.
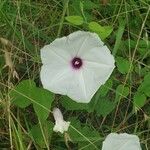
pixel 69 104
pixel 36 133
pixel 81 134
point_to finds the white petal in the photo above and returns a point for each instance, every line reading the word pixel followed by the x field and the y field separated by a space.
pixel 49 75
pixel 99 55
pixel 50 54
pixel 71 45
pixel 80 42
pixel 61 127
pixel 58 116
pixel 122 141
pixel 57 74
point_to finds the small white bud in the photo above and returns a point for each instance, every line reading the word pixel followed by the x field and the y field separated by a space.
pixel 60 124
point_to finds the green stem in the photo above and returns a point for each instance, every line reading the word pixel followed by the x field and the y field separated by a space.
pixel 62 17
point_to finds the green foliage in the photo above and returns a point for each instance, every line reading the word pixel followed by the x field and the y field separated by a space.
pixel 42 104
pixel 41 133
pixel 121 92
pixel 26 93
pixel 28 26
pixel 76 20
pixel 89 5
pixel 142 93
pixel 21 94
pixel 139 100
pixel 69 104
pixel 102 31
pixel 83 135
pixel 104 89
pixel 145 86
pixel 119 35
pixel 123 65
pixel 104 106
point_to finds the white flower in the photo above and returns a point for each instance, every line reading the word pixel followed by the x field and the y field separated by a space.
pixel 122 141
pixel 76 65
pixel 60 125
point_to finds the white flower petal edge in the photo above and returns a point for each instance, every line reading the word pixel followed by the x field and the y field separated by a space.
pixel 121 141
pixel 59 75
pixel 60 125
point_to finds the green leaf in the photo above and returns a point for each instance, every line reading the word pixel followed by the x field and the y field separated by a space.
pixel 81 134
pixel 76 20
pixel 21 94
pixel 89 5
pixel 139 100
pixel 43 100
pixel 121 92
pixel 145 86
pixel 26 93
pixel 104 106
pixel 119 35
pixel 69 104
pixel 102 31
pixel 36 133
pixel 104 89
pixel 123 65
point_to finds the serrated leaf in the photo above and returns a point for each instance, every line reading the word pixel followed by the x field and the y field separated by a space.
pixel 123 65
pixel 139 100
pixel 21 94
pixel 102 31
pixel 104 107
pixel 76 20
pixel 121 92
pixel 43 100
pixel 36 133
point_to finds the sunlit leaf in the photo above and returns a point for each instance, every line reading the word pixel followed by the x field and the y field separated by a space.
pixel 76 20
pixel 102 31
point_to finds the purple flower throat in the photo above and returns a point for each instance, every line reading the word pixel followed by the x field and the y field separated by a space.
pixel 76 63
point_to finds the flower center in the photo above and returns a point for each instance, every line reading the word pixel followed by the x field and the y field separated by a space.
pixel 76 62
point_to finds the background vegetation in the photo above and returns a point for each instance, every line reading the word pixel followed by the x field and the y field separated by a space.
pixel 121 105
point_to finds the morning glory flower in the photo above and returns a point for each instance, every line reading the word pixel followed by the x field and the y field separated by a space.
pixel 122 141
pixel 76 65
pixel 60 125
